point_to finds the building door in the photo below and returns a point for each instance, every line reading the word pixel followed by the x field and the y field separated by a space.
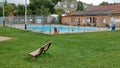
pixel 78 21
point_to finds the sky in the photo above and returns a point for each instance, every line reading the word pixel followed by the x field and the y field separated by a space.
pixel 94 2
pixel 97 2
pixel 17 1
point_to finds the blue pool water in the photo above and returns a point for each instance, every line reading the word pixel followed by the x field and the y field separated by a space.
pixel 62 29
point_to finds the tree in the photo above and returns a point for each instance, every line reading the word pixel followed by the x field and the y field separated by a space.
pixel 9 8
pixel 42 6
pixel 5 3
pixel 41 11
pixel 29 11
pixel 60 19
pixel 104 3
pixel 56 1
pixel 50 5
pixel 20 9
pixel 1 12
pixel 80 6
pixel 59 11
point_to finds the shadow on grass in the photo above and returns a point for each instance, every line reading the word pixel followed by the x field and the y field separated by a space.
pixel 40 58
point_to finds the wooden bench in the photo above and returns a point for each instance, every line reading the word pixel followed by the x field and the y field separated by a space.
pixel 41 50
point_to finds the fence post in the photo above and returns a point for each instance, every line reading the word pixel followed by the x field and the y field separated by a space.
pixel 3 22
pixel 25 27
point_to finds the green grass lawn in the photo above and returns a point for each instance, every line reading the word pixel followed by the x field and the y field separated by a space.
pixel 81 50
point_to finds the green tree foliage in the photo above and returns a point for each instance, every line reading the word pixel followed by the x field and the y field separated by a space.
pixel 9 8
pixel 80 6
pixel 59 11
pixel 56 1
pixel 1 12
pixel 29 11
pixel 35 7
pixel 5 3
pixel 104 3
pixel 20 9
pixel 60 19
pixel 41 11
pixel 42 6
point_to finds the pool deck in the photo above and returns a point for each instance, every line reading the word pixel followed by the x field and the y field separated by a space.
pixel 51 32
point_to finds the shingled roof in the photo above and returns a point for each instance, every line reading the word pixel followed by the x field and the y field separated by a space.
pixel 60 5
pixel 102 10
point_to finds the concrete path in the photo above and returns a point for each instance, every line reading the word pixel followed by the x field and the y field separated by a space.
pixel 4 38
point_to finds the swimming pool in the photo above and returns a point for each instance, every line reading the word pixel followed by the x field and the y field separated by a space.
pixel 62 29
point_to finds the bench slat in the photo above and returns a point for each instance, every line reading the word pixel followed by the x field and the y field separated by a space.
pixel 39 51
pixel 47 46
pixel 34 52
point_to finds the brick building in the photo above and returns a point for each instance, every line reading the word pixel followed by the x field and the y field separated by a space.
pixel 96 16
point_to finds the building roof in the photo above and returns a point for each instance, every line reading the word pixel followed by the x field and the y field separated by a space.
pixel 61 5
pixel 102 10
pixel 71 6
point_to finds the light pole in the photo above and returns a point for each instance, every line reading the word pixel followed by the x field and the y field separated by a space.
pixel 3 12
pixel 25 14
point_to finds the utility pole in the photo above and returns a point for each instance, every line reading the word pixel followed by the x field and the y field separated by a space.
pixel 25 14
pixel 3 12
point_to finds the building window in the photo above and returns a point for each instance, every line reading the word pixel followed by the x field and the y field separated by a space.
pixel 64 6
pixel 72 5
pixel 85 6
pixel 88 20
pixel 72 20
pixel 78 20
pixel 59 3
pixel 94 20
pixel 104 20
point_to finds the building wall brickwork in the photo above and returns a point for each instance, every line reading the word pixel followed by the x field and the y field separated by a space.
pixel 100 20
pixel 100 16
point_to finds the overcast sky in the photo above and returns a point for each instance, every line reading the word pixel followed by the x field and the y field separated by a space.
pixel 17 1
pixel 95 2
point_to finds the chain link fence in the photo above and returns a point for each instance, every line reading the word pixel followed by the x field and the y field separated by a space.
pixel 17 20
pixel 1 21
pixel 31 20
pixel 44 24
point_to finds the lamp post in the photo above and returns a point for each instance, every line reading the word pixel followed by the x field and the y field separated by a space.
pixel 3 12
pixel 25 14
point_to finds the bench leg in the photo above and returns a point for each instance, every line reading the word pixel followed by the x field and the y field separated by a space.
pixel 44 51
pixel 34 57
